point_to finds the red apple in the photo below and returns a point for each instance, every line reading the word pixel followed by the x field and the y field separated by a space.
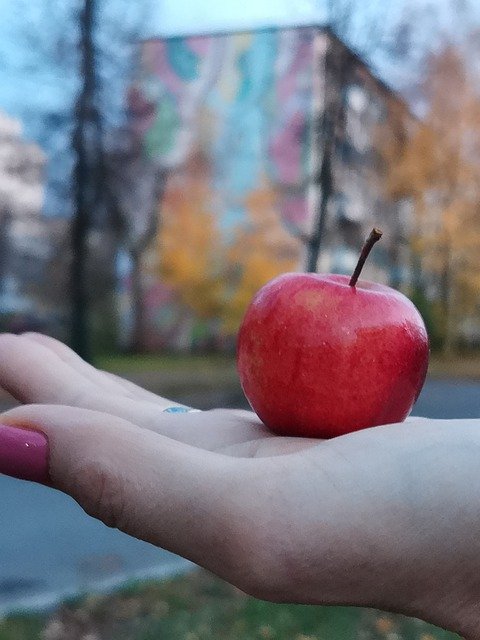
pixel 320 357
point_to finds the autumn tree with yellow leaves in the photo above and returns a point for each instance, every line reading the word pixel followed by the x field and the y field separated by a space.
pixel 189 248
pixel 437 167
pixel 261 250
pixel 213 272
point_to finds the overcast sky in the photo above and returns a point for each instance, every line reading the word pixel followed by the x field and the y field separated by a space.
pixel 186 16
pixel 27 79
pixel 39 79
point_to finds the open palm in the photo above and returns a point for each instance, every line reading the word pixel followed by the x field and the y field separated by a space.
pixel 39 369
pixel 386 517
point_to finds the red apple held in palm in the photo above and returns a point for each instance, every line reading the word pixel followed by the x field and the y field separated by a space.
pixel 324 355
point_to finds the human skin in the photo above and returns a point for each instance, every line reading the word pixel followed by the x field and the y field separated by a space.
pixel 387 517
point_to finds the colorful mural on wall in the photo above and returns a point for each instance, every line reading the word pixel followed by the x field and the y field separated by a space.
pixel 228 117
pixel 228 121
pixel 244 100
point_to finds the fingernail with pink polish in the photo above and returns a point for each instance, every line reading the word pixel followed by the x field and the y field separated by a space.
pixel 23 454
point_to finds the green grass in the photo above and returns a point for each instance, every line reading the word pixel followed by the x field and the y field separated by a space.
pixel 164 362
pixel 201 607
pixel 465 365
pixel 21 627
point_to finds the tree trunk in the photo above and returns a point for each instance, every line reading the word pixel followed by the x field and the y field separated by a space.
pixel 324 183
pixel 448 296
pixel 82 188
pixel 326 108
pixel 137 340
pixel 5 222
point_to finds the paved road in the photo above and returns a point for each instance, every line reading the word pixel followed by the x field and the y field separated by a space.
pixel 50 549
pixel 449 399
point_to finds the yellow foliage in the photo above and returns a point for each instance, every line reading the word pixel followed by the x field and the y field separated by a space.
pixel 384 625
pixel 188 260
pixel 437 167
pixel 215 275
pixel 262 250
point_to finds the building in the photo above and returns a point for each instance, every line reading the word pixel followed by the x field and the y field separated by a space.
pixel 253 106
pixel 26 236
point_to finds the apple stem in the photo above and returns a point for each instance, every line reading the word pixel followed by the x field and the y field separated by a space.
pixel 375 235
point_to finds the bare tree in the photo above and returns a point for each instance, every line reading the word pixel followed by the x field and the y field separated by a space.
pixel 86 129
pixel 135 181
pixel 5 223
pixel 90 47
pixel 364 32
pixel 135 185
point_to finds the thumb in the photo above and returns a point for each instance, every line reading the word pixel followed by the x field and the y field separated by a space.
pixel 162 491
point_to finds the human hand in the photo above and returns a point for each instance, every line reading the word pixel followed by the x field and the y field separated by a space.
pixel 386 517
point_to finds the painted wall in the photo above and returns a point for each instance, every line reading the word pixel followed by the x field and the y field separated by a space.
pixel 228 118
pixel 241 103
pixel 244 100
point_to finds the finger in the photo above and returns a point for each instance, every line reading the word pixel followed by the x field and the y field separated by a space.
pixel 34 374
pixel 153 488
pixel 103 379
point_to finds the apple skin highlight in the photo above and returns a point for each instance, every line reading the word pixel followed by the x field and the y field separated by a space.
pixel 320 358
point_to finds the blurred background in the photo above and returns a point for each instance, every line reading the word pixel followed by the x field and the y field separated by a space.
pixel 159 162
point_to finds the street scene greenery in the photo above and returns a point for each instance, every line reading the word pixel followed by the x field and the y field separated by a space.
pixel 199 606
pixel 221 369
